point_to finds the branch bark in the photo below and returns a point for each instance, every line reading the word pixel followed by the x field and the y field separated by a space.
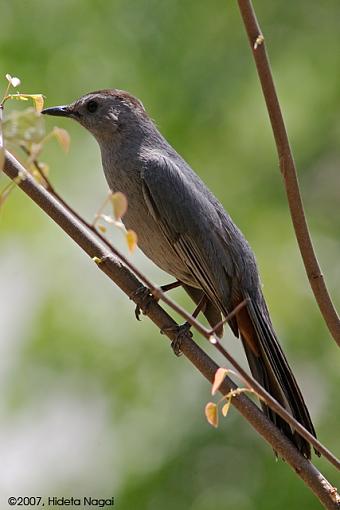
pixel 288 170
pixel 123 277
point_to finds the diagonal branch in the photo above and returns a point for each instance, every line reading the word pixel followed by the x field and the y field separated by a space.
pixel 123 277
pixel 209 335
pixel 288 170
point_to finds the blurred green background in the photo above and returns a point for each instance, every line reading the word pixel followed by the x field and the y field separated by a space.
pixel 93 402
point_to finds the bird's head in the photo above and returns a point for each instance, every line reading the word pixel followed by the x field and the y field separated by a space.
pixel 106 114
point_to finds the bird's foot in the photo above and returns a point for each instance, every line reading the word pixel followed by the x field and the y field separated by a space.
pixel 145 298
pixel 180 332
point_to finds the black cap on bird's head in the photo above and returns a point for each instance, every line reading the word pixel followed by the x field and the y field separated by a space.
pixel 103 112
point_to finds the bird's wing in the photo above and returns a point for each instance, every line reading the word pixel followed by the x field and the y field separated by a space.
pixel 208 243
pixel 191 223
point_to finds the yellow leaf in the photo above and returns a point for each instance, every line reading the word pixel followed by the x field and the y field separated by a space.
pixel 226 407
pixel 102 228
pixel 38 102
pixel 38 99
pixel 19 97
pixel 211 414
pixel 119 204
pixel 131 239
pixel 218 380
pixel 63 138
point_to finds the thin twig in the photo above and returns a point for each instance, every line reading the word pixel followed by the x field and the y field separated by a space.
pixel 119 274
pixel 288 170
pixel 227 318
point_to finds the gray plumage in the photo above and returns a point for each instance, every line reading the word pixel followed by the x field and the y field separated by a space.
pixel 185 230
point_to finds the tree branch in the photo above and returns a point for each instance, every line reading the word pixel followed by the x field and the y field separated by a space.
pixel 209 335
pixel 288 170
pixel 123 277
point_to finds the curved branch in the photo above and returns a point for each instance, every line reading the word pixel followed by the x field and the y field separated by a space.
pixel 124 278
pixel 288 170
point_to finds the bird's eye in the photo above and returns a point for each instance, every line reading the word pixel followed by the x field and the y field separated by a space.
pixel 92 106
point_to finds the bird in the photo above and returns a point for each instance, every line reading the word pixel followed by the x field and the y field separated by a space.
pixel 184 229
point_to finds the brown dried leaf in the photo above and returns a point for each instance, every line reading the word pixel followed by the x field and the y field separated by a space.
pixel 218 380
pixel 119 204
pixel 211 414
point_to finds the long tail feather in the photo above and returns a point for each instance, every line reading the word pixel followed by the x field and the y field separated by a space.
pixel 270 368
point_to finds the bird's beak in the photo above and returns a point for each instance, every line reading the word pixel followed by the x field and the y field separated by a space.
pixel 58 111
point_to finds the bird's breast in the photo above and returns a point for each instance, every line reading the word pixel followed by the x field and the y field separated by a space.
pixel 151 238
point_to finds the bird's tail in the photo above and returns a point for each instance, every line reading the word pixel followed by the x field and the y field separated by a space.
pixel 270 368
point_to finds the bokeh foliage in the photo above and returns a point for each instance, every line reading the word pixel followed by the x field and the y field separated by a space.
pixel 94 402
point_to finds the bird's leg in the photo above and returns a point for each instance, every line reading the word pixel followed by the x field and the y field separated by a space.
pixel 184 329
pixel 200 307
pixel 146 297
pixel 170 286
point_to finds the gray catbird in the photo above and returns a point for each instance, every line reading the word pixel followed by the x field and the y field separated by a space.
pixel 184 229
